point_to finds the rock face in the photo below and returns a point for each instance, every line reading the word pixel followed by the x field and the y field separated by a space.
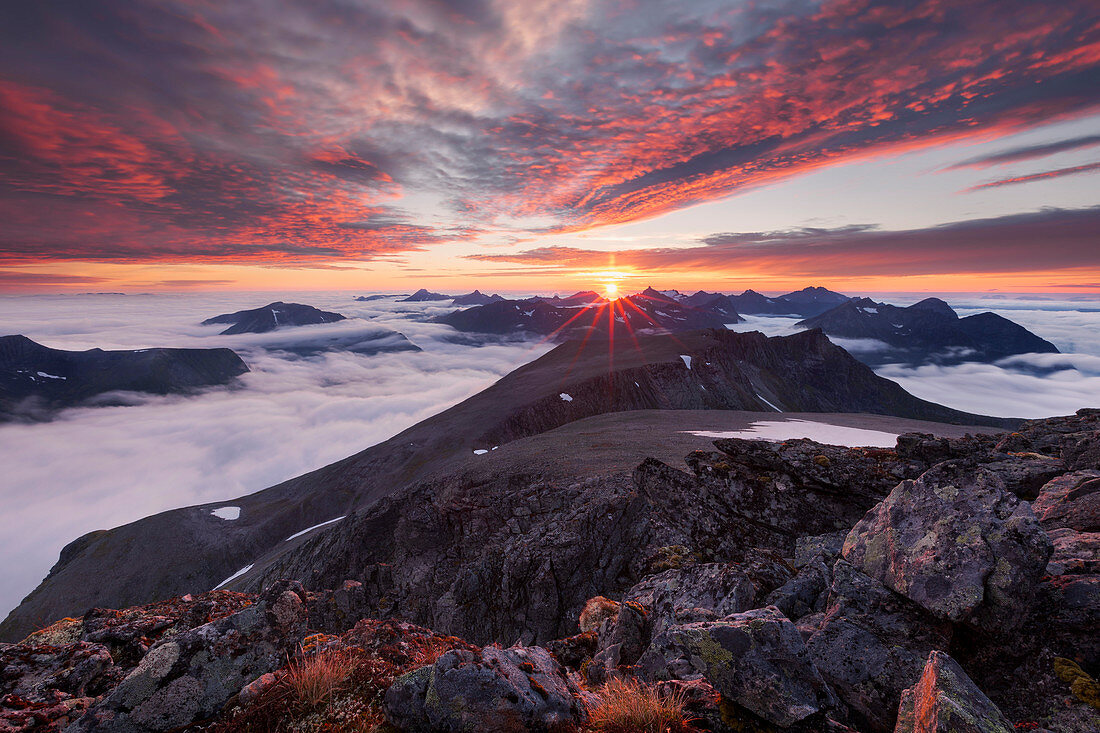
pixel 957 544
pixel 756 659
pixel 945 700
pixel 928 331
pixel 273 316
pixel 36 380
pixel 494 690
pixel 702 592
pixel 189 676
pixel 871 644
pixel 1072 501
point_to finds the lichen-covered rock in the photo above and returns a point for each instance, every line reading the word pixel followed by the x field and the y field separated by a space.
pixel 1071 500
pixel 701 592
pixel 190 675
pixel 805 592
pixel 495 691
pixel 945 700
pixel 871 644
pixel 756 659
pixel 957 543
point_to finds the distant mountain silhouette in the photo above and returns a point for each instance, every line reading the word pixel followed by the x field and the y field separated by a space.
pixel 36 380
pixel 587 312
pixel 928 331
pixel 476 298
pixel 273 316
pixel 424 295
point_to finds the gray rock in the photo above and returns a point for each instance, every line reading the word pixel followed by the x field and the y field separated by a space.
pixel 191 675
pixel 804 593
pixel 697 593
pixel 871 644
pixel 755 659
pixel 945 700
pixel 824 546
pixel 957 543
pixel 1071 500
pixel 495 691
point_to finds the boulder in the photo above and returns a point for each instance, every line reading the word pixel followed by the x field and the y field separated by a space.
pixel 190 676
pixel 957 543
pixel 703 592
pixel 945 700
pixel 494 690
pixel 871 644
pixel 805 592
pixel 755 659
pixel 1071 500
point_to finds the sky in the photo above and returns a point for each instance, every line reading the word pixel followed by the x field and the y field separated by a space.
pixel 384 145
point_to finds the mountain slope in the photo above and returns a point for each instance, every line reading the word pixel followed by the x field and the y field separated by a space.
pixel 34 377
pixel 191 549
pixel 272 316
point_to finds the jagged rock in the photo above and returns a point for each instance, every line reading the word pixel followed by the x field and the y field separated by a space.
pixel 496 691
pixel 805 592
pixel 1075 552
pixel 702 592
pixel 1083 453
pixel 189 676
pixel 945 700
pixel 1071 500
pixel 755 659
pixel 621 640
pixel 871 644
pixel 1024 474
pixel 826 547
pixel 955 542
pixel 572 651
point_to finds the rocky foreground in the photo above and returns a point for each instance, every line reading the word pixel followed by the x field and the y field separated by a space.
pixel 944 585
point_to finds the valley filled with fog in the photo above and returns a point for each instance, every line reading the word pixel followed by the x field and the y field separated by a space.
pixel 99 467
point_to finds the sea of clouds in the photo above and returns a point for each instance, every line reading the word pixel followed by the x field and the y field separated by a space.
pixel 94 468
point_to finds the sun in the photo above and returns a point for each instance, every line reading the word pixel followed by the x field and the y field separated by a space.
pixel 611 290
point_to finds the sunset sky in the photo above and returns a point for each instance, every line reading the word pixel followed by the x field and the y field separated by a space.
pixel 549 145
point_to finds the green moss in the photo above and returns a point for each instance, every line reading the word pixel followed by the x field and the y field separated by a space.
pixel 823 461
pixel 1083 687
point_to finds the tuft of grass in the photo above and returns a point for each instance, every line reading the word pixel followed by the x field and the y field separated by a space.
pixel 315 679
pixel 627 706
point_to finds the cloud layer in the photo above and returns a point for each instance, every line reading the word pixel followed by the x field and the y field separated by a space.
pixel 102 467
pixel 276 131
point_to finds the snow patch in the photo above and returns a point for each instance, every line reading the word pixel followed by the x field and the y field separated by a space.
pixel 50 376
pixel 228 513
pixel 779 430
pixel 234 576
pixel 310 529
pixel 687 360
pixel 480 452
pixel 768 403
pixel 567 397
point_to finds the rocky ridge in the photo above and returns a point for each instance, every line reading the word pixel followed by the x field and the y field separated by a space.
pixel 786 586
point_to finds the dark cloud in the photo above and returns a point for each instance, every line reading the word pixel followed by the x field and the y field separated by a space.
pixel 1043 240
pixel 267 130
pixel 1045 175
pixel 1030 152
pixel 16 277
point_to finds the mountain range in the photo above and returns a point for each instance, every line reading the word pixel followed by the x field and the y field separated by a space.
pixel 36 380
pixel 928 331
pixel 192 549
